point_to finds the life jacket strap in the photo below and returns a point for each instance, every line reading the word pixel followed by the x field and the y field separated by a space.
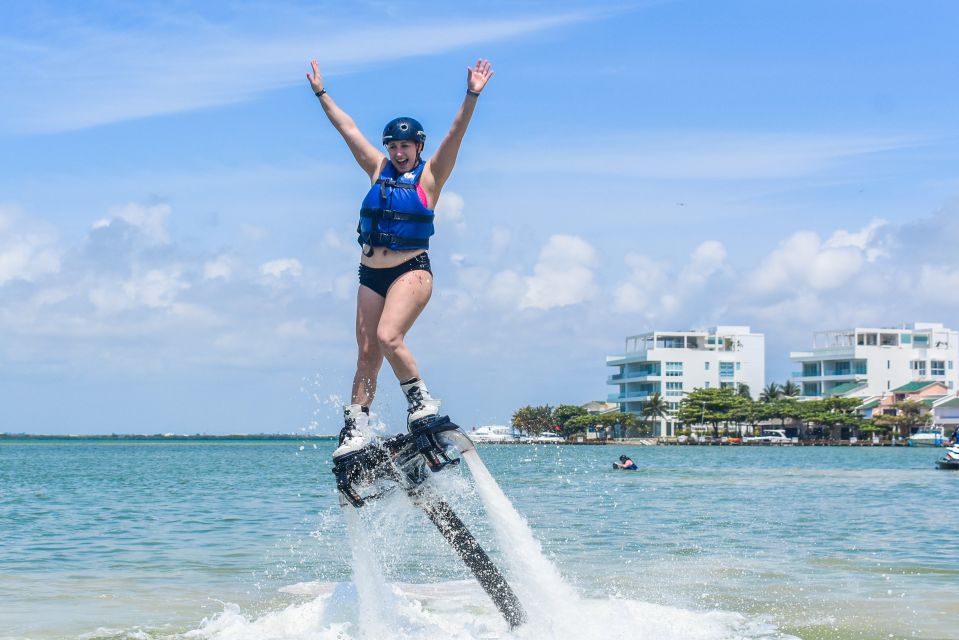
pixel 389 214
pixel 392 183
pixel 377 239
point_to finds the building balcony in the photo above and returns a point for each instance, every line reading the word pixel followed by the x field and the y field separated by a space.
pixel 832 353
pixel 629 397
pixel 623 378
pixel 636 356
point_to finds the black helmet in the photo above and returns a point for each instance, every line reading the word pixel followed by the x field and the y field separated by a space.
pixel 622 458
pixel 403 129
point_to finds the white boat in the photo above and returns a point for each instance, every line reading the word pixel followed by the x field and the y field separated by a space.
pixel 770 436
pixel 495 433
pixel 547 437
pixel 928 437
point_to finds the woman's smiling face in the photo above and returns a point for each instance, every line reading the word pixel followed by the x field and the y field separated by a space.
pixel 404 154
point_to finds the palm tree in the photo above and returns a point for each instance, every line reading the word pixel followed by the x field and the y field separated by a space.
pixel 655 407
pixel 770 393
pixel 790 389
pixel 742 390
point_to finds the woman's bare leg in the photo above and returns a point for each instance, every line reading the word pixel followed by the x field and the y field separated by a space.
pixel 406 298
pixel 369 358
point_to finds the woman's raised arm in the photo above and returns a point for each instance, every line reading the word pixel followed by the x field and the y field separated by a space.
pixel 441 164
pixel 367 156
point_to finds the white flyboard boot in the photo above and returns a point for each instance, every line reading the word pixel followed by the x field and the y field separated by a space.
pixel 422 405
pixel 353 434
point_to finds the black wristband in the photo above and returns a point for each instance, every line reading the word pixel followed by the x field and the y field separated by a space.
pixel 320 92
pixel 475 94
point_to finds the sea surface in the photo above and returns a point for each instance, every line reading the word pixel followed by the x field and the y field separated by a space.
pixel 234 539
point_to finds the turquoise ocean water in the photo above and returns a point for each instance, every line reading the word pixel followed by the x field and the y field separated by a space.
pixel 236 539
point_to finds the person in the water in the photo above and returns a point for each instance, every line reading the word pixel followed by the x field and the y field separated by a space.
pixel 396 222
pixel 625 463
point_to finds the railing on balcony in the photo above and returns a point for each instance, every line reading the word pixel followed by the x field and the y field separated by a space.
pixel 631 397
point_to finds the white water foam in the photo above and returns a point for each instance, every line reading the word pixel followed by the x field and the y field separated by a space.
pixel 371 607
pixel 459 610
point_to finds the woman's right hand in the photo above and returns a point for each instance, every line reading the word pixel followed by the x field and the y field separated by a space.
pixel 316 80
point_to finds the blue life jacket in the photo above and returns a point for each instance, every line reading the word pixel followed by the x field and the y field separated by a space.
pixel 392 214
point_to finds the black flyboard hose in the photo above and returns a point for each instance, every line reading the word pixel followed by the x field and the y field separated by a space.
pixel 403 459
pixel 459 537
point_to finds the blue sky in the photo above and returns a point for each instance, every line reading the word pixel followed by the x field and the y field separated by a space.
pixel 176 215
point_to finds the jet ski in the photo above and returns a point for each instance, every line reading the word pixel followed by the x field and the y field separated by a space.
pixel 950 461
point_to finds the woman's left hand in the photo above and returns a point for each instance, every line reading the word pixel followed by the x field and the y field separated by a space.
pixel 478 76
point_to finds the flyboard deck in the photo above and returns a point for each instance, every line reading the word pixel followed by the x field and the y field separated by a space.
pixel 406 461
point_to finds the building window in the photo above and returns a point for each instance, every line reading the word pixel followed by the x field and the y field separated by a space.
pixel 727 385
pixel 674 369
pixel 674 389
pixel 739 366
pixel 918 367
pixel 726 370
pixel 938 367
pixel 950 364
pixel 889 364
pixel 707 384
pixel 841 368
pixel 920 341
pixel 906 338
pixel 888 385
pixel 673 406
pixel 810 389
pixel 810 369
pixel 707 366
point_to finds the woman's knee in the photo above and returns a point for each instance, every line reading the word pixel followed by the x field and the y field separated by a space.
pixel 389 339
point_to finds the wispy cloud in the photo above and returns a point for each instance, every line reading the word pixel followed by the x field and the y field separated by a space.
pixel 76 73
pixel 709 155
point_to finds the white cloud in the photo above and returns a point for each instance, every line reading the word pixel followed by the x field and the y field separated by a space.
pixel 506 289
pixel 27 251
pixel 499 242
pixel 658 290
pixel 221 267
pixel 563 275
pixel 449 209
pixel 706 261
pixel 294 329
pixel 711 155
pixel 253 232
pixel 282 267
pixel 335 241
pixel 647 277
pixel 150 220
pixel 866 240
pixel 344 286
pixel 153 289
pixel 164 63
pixel 940 283
pixel 803 261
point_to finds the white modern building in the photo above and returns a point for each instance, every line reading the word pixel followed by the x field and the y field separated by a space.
pixel 673 363
pixel 876 361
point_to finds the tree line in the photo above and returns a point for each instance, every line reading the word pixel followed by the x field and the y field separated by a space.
pixel 729 411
